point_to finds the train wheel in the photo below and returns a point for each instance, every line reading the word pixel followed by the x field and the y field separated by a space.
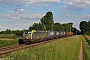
pixel 27 42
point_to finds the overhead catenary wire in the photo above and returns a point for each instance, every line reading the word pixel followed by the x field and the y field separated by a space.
pixel 15 15
pixel 15 9
pixel 9 6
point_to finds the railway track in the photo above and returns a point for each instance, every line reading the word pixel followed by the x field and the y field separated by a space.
pixel 6 51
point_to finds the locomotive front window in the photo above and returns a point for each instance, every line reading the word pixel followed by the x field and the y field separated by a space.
pixel 26 31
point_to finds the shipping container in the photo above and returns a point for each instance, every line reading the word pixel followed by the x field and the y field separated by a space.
pixel 69 33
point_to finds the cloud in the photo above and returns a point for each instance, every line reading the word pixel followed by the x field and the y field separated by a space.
pixel 77 5
pixel 41 1
pixel 67 15
pixel 22 24
pixel 28 2
pixel 16 29
pixel 29 23
pixel 23 16
pixel 21 21
pixel 86 17
pixel 73 8
pixel 18 24
pixel 2 27
pixel 20 10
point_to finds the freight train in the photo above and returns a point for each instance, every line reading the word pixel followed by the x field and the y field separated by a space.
pixel 37 36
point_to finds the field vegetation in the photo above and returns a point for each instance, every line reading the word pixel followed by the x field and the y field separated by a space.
pixel 4 43
pixel 86 48
pixel 62 49
pixel 8 39
pixel 9 36
pixel 88 37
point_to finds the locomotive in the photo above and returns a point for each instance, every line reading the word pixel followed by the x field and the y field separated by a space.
pixel 38 36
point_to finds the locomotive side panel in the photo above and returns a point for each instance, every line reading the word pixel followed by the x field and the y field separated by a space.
pixel 39 36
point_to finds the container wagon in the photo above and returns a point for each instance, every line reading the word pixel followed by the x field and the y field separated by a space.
pixel 69 33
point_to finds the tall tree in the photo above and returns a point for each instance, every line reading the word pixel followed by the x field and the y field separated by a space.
pixel 58 27
pixel 89 25
pixel 83 27
pixel 37 26
pixel 67 27
pixel 88 30
pixel 8 31
pixel 48 21
pixel 74 30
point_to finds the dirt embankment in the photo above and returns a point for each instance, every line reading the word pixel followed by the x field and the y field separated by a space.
pixel 5 39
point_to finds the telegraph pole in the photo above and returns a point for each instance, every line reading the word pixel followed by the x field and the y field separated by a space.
pixel 70 27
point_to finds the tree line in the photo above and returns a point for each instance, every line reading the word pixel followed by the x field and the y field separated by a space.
pixel 85 27
pixel 16 32
pixel 47 23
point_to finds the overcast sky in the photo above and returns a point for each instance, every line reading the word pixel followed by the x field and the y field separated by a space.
pixel 19 14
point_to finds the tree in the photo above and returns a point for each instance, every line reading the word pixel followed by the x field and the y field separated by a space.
pixel 37 26
pixel 58 27
pixel 19 33
pixel 89 25
pixel 75 31
pixel 8 31
pixel 83 27
pixel 16 32
pixel 67 27
pixel 47 21
pixel 88 29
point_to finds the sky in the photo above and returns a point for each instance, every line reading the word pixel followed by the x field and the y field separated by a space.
pixel 21 14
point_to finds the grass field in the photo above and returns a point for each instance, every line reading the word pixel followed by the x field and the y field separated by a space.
pixel 86 49
pixel 4 43
pixel 62 49
pixel 9 36
pixel 8 39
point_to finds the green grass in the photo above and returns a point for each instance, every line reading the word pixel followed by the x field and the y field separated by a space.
pixel 7 35
pixel 10 36
pixel 86 49
pixel 8 39
pixel 4 43
pixel 88 37
pixel 62 49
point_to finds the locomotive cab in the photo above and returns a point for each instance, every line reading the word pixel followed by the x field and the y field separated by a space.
pixel 26 35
